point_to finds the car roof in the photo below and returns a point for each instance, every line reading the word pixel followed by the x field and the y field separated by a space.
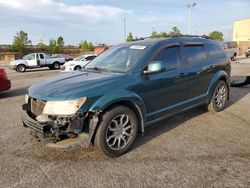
pixel 152 42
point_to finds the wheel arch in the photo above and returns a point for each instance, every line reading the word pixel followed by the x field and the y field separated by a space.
pixel 130 104
pixel 20 65
pixel 220 75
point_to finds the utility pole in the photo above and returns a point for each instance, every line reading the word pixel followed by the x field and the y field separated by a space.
pixel 125 30
pixel 190 6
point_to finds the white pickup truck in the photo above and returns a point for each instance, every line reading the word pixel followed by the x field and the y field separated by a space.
pixel 36 60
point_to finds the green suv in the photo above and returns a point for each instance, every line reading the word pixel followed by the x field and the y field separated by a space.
pixel 124 90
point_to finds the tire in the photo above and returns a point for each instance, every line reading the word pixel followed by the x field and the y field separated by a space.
pixel 51 67
pixel 114 138
pixel 77 67
pixel 234 57
pixel 219 98
pixel 21 68
pixel 56 65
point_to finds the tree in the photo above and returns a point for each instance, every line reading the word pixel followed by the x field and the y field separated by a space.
pixel 164 34
pixel 55 45
pixel 20 42
pixel 42 45
pixel 130 37
pixel 53 48
pixel 175 31
pixel 86 46
pixel 216 35
pixel 60 42
pixel 154 35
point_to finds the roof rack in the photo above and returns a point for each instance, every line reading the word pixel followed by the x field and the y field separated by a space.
pixel 193 36
pixel 177 36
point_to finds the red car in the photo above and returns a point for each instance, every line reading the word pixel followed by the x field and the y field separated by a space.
pixel 5 83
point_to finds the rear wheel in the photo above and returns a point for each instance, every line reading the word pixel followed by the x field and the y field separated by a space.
pixel 117 131
pixel 21 68
pixel 56 65
pixel 219 97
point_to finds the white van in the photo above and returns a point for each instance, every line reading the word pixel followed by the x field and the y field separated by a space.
pixel 231 48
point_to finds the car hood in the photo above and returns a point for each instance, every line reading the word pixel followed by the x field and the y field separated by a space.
pixel 17 62
pixel 73 85
pixel 71 62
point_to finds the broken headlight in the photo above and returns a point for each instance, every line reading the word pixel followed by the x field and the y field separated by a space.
pixel 68 107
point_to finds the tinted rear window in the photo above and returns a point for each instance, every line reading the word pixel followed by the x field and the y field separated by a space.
pixel 215 51
pixel 195 54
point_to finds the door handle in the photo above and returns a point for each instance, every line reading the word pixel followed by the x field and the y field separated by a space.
pixel 182 74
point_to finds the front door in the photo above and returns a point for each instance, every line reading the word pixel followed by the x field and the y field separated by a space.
pixel 167 90
pixel 32 62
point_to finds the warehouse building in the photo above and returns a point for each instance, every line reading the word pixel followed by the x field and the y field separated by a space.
pixel 241 34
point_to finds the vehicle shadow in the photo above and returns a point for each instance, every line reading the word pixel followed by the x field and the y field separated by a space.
pixel 164 126
pixel 237 93
pixel 13 93
pixel 38 70
pixel 153 131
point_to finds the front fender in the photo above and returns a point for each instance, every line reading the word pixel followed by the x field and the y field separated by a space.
pixel 220 75
pixel 117 97
pixel 19 62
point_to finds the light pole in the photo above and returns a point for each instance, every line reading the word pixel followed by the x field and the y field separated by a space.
pixel 190 6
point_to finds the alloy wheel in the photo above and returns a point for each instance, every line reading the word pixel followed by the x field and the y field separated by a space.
pixel 119 132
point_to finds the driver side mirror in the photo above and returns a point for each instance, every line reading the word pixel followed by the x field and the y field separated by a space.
pixel 154 67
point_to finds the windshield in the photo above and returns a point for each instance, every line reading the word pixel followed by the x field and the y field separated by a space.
pixel 29 57
pixel 79 58
pixel 118 59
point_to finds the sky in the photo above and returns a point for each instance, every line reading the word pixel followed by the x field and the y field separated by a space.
pixel 102 21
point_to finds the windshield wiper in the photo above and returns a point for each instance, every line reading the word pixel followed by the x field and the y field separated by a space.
pixel 99 69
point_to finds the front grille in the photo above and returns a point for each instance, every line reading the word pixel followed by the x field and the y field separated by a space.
pixel 37 106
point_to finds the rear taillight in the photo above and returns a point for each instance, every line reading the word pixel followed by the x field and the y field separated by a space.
pixel 3 73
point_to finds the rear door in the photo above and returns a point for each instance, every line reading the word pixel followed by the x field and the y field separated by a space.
pixel 196 63
pixel 42 59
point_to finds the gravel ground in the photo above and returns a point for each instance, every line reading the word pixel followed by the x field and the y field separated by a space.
pixel 192 149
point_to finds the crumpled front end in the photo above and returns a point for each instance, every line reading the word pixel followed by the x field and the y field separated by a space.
pixel 56 128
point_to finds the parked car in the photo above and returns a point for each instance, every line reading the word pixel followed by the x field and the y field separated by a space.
pixel 231 48
pixel 78 63
pixel 247 52
pixel 5 83
pixel 125 89
pixel 36 60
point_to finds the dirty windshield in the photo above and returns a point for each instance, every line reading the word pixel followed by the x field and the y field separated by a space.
pixel 118 59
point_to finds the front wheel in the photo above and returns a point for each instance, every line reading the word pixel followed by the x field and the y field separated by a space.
pixel 117 131
pixel 21 68
pixel 78 67
pixel 219 98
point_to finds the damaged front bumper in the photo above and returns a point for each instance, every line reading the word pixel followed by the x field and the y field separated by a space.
pixel 61 132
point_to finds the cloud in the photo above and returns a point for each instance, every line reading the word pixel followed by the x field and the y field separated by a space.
pixel 55 10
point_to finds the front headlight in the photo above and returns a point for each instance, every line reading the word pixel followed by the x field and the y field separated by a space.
pixel 26 99
pixel 69 107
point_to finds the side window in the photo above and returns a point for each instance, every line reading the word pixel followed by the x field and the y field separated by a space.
pixel 170 57
pixel 195 54
pixel 215 51
pixel 41 56
pixel 32 56
pixel 90 58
